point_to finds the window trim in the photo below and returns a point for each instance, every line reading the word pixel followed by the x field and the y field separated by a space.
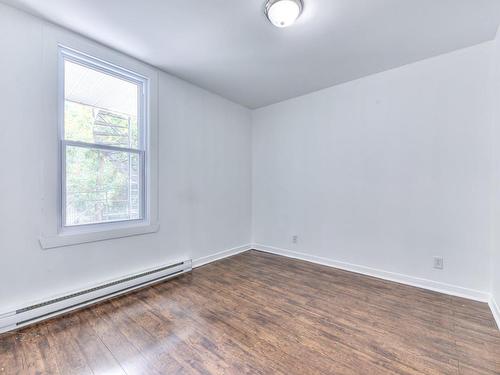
pixel 90 62
pixel 50 206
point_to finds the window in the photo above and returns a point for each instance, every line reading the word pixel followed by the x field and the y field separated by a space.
pixel 103 143
pixel 99 153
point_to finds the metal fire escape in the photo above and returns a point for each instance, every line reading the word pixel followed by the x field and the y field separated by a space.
pixel 115 129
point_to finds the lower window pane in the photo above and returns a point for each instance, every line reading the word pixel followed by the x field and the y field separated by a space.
pixel 101 186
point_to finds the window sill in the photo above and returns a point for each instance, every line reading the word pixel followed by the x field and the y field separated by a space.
pixel 61 240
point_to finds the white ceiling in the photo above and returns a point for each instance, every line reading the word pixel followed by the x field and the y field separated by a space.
pixel 228 46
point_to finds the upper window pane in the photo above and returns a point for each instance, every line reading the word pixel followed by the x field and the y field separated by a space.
pixel 100 108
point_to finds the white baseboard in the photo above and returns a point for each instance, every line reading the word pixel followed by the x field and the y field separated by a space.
pixel 495 309
pixel 436 286
pixel 220 255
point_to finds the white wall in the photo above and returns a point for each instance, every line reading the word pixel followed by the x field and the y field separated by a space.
pixel 495 196
pixel 383 172
pixel 204 179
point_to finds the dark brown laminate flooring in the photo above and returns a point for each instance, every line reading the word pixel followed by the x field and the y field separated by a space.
pixel 257 313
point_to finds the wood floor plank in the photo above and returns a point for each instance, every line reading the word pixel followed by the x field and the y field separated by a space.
pixel 41 358
pixel 333 308
pixel 157 358
pixel 200 337
pixel 268 345
pixel 126 353
pixel 261 314
pixel 68 356
pixel 12 355
pixel 98 357
pixel 233 346
pixel 344 336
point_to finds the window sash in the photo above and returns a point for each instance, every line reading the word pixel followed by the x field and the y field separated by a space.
pixel 67 54
pixel 91 146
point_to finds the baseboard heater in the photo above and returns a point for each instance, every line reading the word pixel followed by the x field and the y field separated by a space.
pixel 78 299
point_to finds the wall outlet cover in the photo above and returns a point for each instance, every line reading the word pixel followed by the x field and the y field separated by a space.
pixel 438 263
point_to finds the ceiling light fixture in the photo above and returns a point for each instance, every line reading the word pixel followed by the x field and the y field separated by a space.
pixel 283 13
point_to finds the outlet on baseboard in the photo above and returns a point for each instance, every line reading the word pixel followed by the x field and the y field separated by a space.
pixel 295 239
pixel 438 263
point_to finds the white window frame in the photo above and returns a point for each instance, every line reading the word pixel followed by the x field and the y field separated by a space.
pixel 53 233
pixel 66 54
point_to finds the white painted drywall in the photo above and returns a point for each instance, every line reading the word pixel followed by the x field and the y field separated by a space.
pixel 495 190
pixel 204 179
pixel 384 172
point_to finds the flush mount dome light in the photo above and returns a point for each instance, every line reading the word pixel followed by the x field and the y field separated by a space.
pixel 283 13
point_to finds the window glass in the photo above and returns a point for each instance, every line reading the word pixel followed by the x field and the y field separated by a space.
pixel 103 156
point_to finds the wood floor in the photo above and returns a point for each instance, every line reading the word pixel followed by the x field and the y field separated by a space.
pixel 257 313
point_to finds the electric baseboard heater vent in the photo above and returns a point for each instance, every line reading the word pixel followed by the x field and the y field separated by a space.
pixel 72 301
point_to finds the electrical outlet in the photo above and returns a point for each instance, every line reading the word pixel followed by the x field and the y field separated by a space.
pixel 295 239
pixel 438 263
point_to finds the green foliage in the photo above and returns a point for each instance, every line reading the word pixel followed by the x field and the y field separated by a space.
pixel 101 185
